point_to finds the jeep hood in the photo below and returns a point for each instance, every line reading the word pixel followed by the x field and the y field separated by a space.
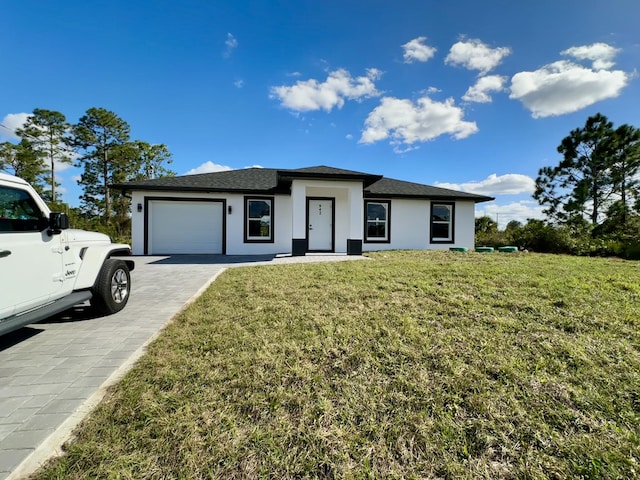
pixel 83 236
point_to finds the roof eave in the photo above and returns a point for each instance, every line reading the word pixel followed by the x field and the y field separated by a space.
pixel 475 199
pixel 164 188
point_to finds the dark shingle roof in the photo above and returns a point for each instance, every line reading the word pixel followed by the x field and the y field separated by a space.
pixel 263 180
pixel 389 187
pixel 270 181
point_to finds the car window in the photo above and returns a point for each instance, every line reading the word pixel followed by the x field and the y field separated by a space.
pixel 18 211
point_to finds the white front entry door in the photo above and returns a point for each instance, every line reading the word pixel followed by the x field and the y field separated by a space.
pixel 320 224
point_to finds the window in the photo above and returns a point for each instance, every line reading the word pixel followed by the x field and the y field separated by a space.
pixel 442 222
pixel 258 215
pixel 377 220
pixel 19 212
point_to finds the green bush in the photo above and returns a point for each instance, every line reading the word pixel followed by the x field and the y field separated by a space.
pixel 491 239
pixel 576 239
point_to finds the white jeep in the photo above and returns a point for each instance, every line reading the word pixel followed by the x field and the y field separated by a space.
pixel 46 267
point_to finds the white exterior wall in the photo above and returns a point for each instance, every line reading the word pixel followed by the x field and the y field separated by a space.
pixel 235 244
pixel 281 223
pixel 409 219
pixel 410 224
pixel 465 226
pixel 137 224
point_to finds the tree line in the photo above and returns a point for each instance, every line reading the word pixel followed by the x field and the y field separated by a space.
pixel 100 144
pixel 591 198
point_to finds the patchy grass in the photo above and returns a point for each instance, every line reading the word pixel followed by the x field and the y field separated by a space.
pixel 412 365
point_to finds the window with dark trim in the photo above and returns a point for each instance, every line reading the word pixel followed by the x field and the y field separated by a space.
pixel 19 212
pixel 441 225
pixel 258 219
pixel 377 221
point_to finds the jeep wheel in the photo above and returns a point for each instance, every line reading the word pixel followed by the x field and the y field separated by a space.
pixel 112 287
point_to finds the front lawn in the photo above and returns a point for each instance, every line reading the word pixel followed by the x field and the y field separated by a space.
pixel 411 365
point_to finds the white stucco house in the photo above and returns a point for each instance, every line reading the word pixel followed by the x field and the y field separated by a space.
pixel 259 211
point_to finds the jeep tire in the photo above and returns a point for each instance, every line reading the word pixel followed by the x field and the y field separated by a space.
pixel 112 287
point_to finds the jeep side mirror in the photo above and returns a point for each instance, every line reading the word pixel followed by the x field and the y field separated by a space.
pixel 58 222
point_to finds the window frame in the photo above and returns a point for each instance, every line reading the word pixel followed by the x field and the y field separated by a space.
pixel 19 220
pixel 247 237
pixel 451 223
pixel 387 238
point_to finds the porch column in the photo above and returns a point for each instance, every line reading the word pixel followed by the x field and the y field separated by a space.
pixel 356 220
pixel 299 218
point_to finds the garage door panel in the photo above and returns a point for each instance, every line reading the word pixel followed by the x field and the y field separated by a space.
pixel 182 227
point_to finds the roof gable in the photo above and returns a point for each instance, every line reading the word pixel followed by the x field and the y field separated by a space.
pixel 329 173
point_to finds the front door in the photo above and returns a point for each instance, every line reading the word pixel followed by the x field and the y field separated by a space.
pixel 320 220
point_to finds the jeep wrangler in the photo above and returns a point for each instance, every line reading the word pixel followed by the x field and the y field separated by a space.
pixel 46 267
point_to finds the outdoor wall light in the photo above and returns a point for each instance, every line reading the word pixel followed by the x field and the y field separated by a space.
pixel 229 209
pixel 139 207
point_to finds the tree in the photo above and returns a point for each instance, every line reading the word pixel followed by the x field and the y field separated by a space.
pixel 138 160
pixel 625 168
pixel 48 131
pixel 23 161
pixel 100 134
pixel 486 224
pixel 582 183
pixel 149 161
pixel 513 225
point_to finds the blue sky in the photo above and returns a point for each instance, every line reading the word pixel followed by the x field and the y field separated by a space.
pixel 464 94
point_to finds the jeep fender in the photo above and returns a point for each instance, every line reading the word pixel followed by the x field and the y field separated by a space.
pixel 92 261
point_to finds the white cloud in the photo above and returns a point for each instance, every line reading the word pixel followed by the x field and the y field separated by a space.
pixel 520 211
pixel 61 166
pixel 600 54
pixel 417 50
pixel 308 95
pixel 479 92
pixel 231 44
pixel 565 87
pixel 509 184
pixel 208 167
pixel 406 123
pixel 349 136
pixel 238 83
pixel 13 122
pixel 476 55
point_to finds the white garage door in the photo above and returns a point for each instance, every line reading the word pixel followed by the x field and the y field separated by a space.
pixel 184 227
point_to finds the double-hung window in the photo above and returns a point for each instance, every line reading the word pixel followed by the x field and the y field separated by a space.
pixel 442 222
pixel 377 228
pixel 258 216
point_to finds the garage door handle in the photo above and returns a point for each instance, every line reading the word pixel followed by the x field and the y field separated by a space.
pixel 5 253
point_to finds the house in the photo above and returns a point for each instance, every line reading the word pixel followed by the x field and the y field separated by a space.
pixel 315 209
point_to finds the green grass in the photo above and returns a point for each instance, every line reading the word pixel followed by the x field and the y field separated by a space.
pixel 411 365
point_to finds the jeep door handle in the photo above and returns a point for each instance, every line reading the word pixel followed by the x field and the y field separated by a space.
pixel 5 253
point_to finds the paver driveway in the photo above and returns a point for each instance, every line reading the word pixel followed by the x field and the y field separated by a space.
pixel 52 373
